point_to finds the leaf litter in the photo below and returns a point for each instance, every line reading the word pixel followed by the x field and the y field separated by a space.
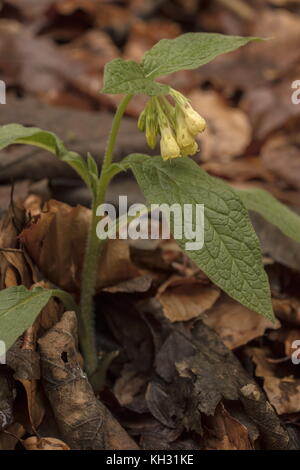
pixel 184 367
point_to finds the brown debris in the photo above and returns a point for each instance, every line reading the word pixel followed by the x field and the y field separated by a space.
pixel 84 422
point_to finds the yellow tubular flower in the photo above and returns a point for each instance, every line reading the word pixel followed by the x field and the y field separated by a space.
pixel 168 145
pixel 183 136
pixel 194 121
pixel 191 150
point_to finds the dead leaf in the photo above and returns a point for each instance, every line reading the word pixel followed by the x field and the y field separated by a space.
pixel 281 155
pixel 244 169
pixel 185 298
pixel 236 324
pixel 287 310
pixel 11 436
pixel 287 337
pixel 283 391
pixel 61 230
pixel 228 131
pixel 259 63
pixel 224 432
pixel 44 443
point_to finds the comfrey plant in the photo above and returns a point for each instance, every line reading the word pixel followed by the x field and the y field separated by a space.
pixel 231 255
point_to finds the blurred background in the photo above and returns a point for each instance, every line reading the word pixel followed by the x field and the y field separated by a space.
pixel 52 55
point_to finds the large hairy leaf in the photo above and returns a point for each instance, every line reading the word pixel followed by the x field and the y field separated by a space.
pixel 188 51
pixel 18 134
pixel 19 307
pixel 231 255
pixel 272 210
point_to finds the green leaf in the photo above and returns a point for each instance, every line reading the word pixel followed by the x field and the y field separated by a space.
pixel 127 76
pixel 231 255
pixel 19 307
pixel 17 134
pixel 189 51
pixel 272 210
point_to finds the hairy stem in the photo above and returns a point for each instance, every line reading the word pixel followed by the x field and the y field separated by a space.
pixel 93 248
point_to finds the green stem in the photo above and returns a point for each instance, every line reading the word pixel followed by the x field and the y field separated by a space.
pixel 93 248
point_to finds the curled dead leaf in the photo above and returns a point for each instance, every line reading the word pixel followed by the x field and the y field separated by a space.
pixel 224 432
pixel 283 391
pixel 185 298
pixel 44 443
pixel 56 243
pixel 236 324
pixel 228 132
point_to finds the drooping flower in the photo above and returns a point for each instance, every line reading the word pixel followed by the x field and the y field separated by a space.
pixel 177 125
pixel 168 146
pixel 194 121
pixel 183 136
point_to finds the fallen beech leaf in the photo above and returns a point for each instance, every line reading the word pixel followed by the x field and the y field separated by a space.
pixel 10 437
pixel 185 298
pixel 270 107
pixel 287 310
pixel 236 324
pixel 287 337
pixel 24 360
pixel 283 392
pixel 144 34
pixel 128 387
pixel 44 443
pixel 56 244
pixel 267 61
pixel 224 432
pixel 244 169
pixel 228 131
pixel 138 284
pixel 84 422
pixel 281 155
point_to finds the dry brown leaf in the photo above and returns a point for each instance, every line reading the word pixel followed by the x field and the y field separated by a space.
pixel 236 324
pixel 224 432
pixel 287 310
pixel 283 392
pixel 143 35
pixel 281 155
pixel 185 298
pixel 56 242
pixel 287 337
pixel 11 436
pixel 44 443
pixel 228 131
pixel 251 67
pixel 244 169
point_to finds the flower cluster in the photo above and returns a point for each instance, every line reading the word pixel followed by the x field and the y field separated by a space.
pixel 177 124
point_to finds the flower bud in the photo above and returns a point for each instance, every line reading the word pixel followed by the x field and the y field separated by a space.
pixel 142 121
pixel 151 131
